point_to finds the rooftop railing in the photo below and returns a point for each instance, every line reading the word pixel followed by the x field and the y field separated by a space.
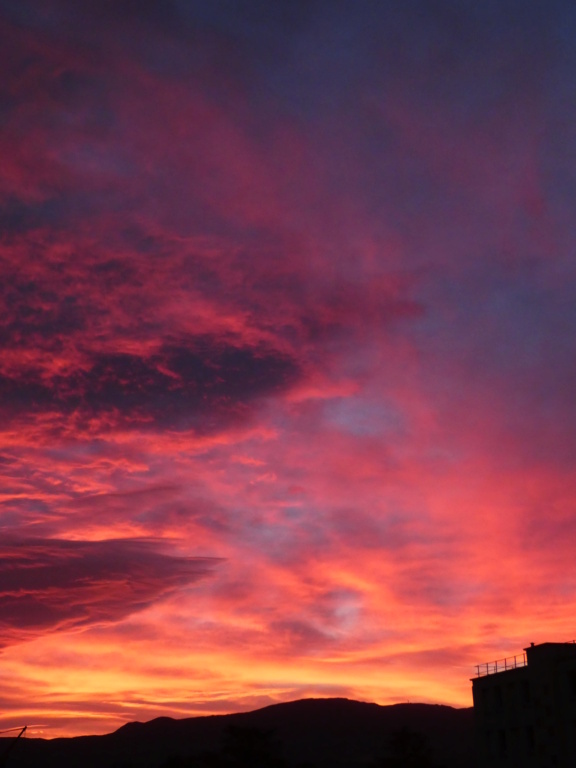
pixel 501 665
pixel 512 662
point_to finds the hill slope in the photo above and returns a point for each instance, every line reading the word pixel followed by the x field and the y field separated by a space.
pixel 321 732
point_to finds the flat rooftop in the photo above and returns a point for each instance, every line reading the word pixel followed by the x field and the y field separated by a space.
pixel 521 660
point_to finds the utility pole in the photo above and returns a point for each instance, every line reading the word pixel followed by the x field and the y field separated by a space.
pixel 6 754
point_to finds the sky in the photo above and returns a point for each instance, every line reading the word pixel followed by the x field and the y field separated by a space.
pixel 287 367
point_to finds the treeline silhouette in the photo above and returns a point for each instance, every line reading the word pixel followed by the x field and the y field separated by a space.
pixel 256 748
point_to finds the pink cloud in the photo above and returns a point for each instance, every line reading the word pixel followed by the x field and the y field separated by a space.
pixel 297 297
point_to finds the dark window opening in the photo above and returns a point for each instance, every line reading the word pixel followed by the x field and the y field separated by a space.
pixel 526 691
pixel 488 741
pixel 502 746
pixel 497 696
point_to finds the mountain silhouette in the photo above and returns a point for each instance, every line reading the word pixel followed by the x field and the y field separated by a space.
pixel 319 733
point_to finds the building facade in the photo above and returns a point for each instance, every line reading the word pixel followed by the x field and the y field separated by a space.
pixel 525 709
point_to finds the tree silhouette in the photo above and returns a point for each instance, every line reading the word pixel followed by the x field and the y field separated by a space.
pixel 251 748
pixel 406 748
pixel 242 748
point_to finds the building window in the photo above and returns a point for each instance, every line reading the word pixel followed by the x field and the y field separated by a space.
pixel 485 700
pixel 502 746
pixel 526 691
pixel 497 696
pixel 489 743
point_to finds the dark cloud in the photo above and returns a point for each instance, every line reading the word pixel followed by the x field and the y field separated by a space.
pixel 34 311
pixel 51 584
pixel 17 216
pixel 204 385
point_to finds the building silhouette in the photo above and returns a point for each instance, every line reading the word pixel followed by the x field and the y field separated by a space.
pixel 525 709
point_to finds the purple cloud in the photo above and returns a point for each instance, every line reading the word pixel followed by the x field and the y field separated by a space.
pixel 52 584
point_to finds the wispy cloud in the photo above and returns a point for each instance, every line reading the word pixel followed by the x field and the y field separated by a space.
pixel 54 584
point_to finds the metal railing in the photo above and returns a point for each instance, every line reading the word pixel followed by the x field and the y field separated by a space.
pixel 512 662
pixel 501 665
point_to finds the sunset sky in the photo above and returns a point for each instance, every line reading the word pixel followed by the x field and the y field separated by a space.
pixel 287 369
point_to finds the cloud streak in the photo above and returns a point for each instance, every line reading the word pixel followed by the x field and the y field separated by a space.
pixel 50 584
pixel 204 384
